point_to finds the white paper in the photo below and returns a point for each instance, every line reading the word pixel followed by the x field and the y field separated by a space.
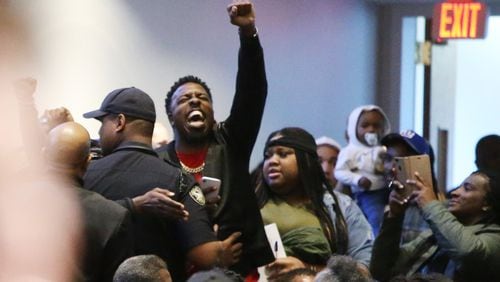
pixel 274 239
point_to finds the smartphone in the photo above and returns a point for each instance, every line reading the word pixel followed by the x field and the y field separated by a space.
pixel 406 168
pixel 206 183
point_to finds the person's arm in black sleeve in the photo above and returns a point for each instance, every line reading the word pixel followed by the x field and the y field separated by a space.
pixel 244 121
pixel 386 248
pixel 118 248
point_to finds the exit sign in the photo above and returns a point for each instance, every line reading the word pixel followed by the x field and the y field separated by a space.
pixel 459 19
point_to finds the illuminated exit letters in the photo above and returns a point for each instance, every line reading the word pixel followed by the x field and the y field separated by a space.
pixel 459 19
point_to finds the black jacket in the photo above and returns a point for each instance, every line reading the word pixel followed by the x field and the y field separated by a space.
pixel 228 159
pixel 108 236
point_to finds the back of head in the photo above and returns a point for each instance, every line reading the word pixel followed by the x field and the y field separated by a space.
pixel 296 275
pixel 327 141
pixel 142 268
pixel 134 108
pixel 488 153
pixel 419 277
pixel 341 269
pixel 215 275
pixel 68 146
pixel 493 196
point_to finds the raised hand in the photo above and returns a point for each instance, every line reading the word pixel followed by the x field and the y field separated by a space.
pixel 397 201
pixel 25 87
pixel 242 14
pixel 282 265
pixel 364 183
pixel 53 117
pixel 423 191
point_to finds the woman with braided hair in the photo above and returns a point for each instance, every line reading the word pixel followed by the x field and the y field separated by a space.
pixel 314 221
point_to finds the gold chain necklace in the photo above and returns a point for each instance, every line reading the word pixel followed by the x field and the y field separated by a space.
pixel 193 170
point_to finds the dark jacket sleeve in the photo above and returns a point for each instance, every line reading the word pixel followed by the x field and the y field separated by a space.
pixel 386 248
pixel 118 248
pixel 126 203
pixel 243 124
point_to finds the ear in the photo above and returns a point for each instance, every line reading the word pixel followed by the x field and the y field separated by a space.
pixel 120 123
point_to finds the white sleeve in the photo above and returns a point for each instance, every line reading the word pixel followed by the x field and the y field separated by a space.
pixel 344 169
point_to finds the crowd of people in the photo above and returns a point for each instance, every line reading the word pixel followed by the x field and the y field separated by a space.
pixel 342 213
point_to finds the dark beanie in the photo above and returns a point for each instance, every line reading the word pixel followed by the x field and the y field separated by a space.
pixel 293 137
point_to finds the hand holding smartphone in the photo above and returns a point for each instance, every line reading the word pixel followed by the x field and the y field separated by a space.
pixel 406 168
pixel 210 187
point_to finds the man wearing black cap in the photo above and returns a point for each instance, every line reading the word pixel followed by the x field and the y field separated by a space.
pixel 131 168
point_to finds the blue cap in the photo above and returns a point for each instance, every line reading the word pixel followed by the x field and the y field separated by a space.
pixel 411 138
pixel 129 101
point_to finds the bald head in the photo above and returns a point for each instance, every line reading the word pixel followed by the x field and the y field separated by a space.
pixel 68 147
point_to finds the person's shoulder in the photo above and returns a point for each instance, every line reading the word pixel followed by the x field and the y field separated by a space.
pixel 107 161
pixel 343 199
pixel 93 199
pixel 101 213
pixel 151 161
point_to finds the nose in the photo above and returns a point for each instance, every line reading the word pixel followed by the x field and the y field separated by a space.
pixel 272 160
pixel 194 101
pixel 456 192
pixel 371 128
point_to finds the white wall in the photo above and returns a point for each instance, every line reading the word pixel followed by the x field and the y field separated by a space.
pixel 466 96
pixel 320 55
pixel 443 102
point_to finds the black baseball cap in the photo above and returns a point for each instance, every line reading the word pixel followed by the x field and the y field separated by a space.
pixel 129 101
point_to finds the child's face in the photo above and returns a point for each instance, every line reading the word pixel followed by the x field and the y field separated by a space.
pixel 369 122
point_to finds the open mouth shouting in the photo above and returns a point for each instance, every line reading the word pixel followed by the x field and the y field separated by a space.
pixel 196 119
